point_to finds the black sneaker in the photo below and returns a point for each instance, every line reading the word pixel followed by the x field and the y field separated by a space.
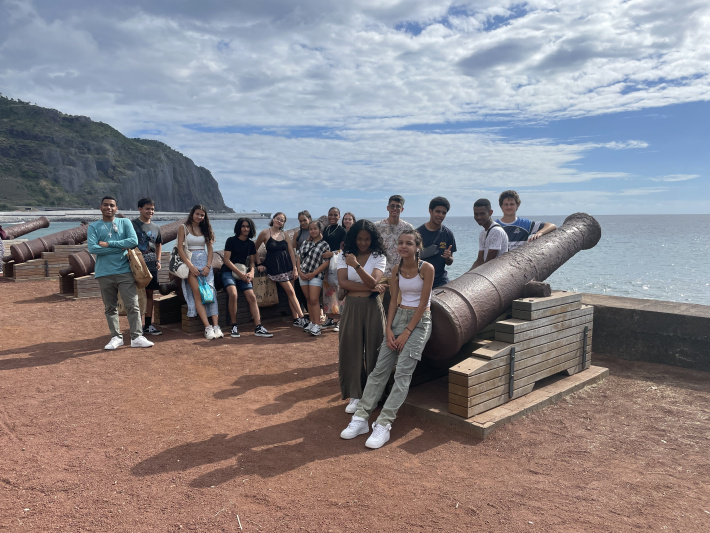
pixel 306 325
pixel 235 332
pixel 330 323
pixel 150 330
pixel 261 331
pixel 299 322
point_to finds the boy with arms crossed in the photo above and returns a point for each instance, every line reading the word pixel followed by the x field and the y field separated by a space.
pixel 108 239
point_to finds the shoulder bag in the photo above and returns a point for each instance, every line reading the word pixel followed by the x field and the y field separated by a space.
pixel 177 266
pixel 139 269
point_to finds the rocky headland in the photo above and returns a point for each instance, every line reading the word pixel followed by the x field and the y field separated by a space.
pixel 48 158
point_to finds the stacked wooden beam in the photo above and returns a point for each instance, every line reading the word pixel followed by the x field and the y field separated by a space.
pixel 166 309
pixel 29 270
pixel 86 287
pixel 8 267
pixel 545 336
pixel 59 257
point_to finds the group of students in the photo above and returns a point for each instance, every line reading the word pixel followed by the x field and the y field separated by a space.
pixel 383 266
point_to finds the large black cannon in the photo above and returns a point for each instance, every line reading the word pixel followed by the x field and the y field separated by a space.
pixel 463 307
pixel 17 230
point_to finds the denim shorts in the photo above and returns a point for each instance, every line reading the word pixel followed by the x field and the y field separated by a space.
pixel 315 282
pixel 228 279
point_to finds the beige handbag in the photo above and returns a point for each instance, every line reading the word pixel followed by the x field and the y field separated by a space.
pixel 139 269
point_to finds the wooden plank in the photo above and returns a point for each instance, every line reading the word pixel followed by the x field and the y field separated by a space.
pixel 516 325
pixel 550 337
pixel 475 383
pixel 542 313
pixel 494 401
pixel 493 350
pixel 556 298
pixel 546 330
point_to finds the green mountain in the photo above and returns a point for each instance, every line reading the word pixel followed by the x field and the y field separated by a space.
pixel 48 158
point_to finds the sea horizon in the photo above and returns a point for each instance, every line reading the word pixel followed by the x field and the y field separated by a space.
pixel 638 256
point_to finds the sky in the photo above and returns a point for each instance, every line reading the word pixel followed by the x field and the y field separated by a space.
pixel 601 107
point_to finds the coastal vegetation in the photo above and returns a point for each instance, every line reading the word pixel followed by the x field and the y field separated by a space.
pixel 48 158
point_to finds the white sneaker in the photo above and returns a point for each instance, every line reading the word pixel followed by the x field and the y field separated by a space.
pixel 380 435
pixel 114 343
pixel 141 342
pixel 352 406
pixel 217 332
pixel 315 330
pixel 209 333
pixel 357 426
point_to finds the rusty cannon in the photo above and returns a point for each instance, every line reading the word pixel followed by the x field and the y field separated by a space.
pixel 25 251
pixel 175 283
pixel 469 303
pixel 82 263
pixel 13 232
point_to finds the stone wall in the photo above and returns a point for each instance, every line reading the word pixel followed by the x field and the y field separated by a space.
pixel 651 330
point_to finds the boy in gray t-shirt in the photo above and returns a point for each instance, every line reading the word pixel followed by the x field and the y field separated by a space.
pixel 150 243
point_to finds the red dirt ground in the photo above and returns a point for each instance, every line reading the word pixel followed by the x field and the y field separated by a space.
pixel 243 434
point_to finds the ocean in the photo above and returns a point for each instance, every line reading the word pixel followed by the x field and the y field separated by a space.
pixel 659 257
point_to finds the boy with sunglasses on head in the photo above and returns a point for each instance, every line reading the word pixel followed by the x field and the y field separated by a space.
pixel 108 239
pixel 390 229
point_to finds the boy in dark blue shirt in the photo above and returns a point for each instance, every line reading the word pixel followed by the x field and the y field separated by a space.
pixel 438 241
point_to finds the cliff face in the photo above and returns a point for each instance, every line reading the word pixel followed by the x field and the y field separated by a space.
pixel 51 159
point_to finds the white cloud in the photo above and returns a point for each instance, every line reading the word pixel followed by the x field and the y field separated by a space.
pixel 362 70
pixel 677 177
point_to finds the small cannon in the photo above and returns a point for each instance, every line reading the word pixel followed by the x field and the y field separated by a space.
pixel 25 251
pixel 82 263
pixel 175 283
pixel 466 305
pixel 13 232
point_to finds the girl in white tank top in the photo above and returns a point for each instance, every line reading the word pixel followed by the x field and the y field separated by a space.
pixel 407 332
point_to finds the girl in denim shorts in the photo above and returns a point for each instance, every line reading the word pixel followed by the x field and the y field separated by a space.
pixel 312 267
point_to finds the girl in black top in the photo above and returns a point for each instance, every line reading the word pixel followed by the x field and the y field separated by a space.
pixel 280 262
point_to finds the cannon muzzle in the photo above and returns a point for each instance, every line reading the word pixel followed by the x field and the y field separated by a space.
pixel 13 232
pixel 33 249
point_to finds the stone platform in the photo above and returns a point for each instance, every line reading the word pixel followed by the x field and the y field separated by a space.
pixel 429 401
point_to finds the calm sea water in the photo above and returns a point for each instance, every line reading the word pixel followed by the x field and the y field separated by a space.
pixel 639 256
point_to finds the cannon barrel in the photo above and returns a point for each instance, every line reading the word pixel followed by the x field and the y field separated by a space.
pixel 13 232
pixel 33 249
pixel 168 232
pixel 82 263
pixel 175 283
pixel 463 307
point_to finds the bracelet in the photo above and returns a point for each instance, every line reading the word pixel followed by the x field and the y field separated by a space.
pixel 410 331
pixel 358 266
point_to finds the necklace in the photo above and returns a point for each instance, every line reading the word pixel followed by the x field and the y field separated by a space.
pixel 329 233
pixel 110 229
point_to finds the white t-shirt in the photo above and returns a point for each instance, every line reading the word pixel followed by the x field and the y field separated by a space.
pixel 373 262
pixel 497 239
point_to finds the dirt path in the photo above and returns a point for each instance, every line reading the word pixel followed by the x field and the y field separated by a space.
pixel 197 435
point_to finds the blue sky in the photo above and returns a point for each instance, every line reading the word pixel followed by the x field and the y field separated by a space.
pixel 601 107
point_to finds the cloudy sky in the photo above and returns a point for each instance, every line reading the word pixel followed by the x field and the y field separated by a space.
pixel 600 106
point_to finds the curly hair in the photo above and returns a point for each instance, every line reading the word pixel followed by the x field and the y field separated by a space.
pixel 377 246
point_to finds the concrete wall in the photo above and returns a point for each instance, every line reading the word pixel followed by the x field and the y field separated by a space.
pixel 651 330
